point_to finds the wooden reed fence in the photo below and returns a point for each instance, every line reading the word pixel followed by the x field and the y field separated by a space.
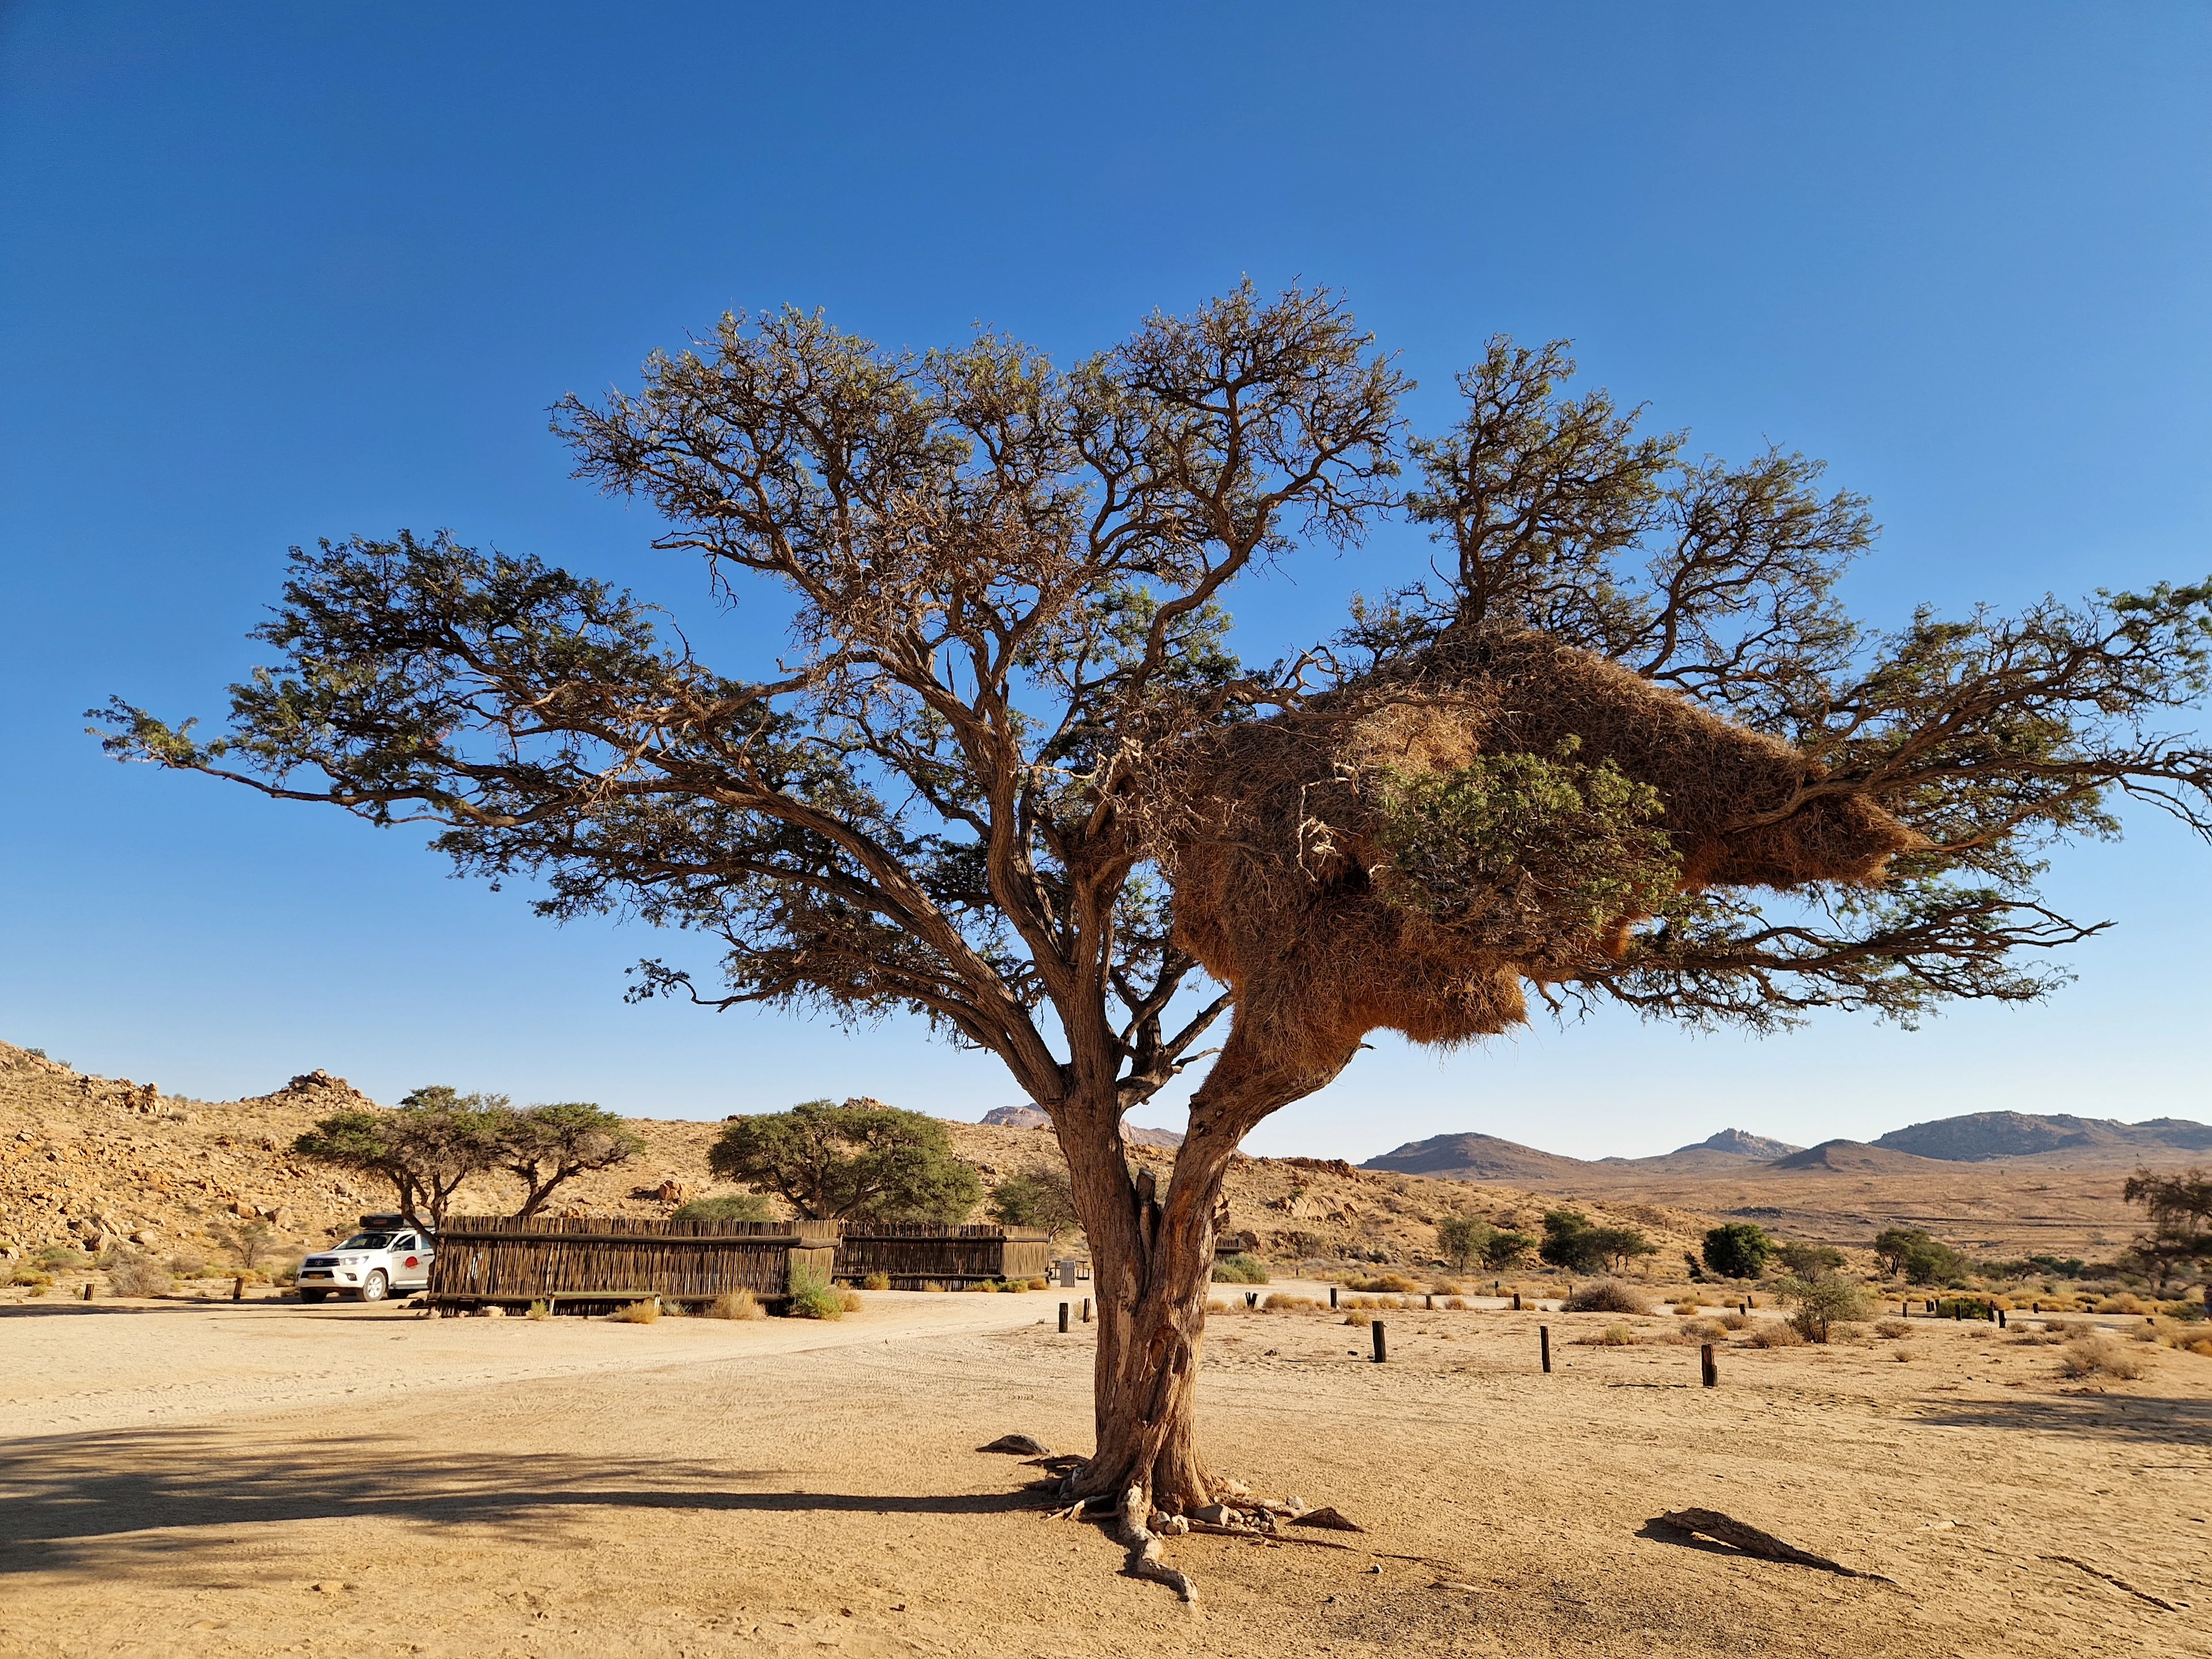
pixel 589 1263
pixel 915 1254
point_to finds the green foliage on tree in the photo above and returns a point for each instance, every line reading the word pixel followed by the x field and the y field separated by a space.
pixel 1802 1260
pixel 426 1150
pixel 1738 1249
pixel 1820 1303
pixel 543 1146
pixel 725 1207
pixel 440 1137
pixel 1572 1244
pixel 1919 1257
pixel 1461 1240
pixel 1505 1249
pixel 1525 845
pixel 860 1161
pixel 1036 1198
pixel 2179 1209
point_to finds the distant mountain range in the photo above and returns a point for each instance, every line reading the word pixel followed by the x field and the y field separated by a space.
pixel 1035 1117
pixel 1976 1138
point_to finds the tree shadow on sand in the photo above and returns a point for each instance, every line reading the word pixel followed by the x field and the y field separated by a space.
pixel 2144 1420
pixel 68 1500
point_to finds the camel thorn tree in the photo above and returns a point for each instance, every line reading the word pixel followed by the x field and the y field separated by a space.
pixel 1624 744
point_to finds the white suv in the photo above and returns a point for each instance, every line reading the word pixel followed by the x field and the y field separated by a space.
pixel 384 1256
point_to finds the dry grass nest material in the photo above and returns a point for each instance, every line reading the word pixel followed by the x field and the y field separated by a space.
pixel 1283 884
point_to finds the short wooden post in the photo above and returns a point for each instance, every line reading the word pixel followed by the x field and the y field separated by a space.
pixel 1958 1313
pixel 1332 1296
pixel 1516 1302
pixel 88 1290
pixel 1382 1350
pixel 1251 1298
pixel 1086 1310
pixel 1544 1346
pixel 2035 1307
pixel 1706 1367
pixel 238 1290
pixel 1430 1301
pixel 1063 1319
pixel 2000 1320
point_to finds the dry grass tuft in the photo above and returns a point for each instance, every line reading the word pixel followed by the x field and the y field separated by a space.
pixel 1283 1302
pixel 850 1301
pixel 1735 1321
pixel 644 1312
pixel 1613 1336
pixel 1392 1284
pixel 1904 1356
pixel 131 1273
pixel 539 1311
pixel 1457 1305
pixel 877 1282
pixel 1687 1305
pixel 1356 1317
pixel 1776 1334
pixel 2100 1355
pixel 1893 1328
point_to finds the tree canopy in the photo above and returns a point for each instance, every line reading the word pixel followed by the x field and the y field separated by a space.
pixel 860 1161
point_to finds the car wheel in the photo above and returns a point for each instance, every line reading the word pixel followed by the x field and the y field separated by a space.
pixel 312 1296
pixel 375 1287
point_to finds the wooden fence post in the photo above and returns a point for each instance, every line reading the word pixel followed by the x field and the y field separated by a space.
pixel 1086 1310
pixel 1382 1351
pixel 1544 1346
pixel 1063 1319
pixel 1516 1302
pixel 1332 1296
pixel 1251 1298
pixel 1706 1368
pixel 238 1290
pixel 88 1290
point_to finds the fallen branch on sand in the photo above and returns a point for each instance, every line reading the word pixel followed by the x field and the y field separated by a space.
pixel 1727 1529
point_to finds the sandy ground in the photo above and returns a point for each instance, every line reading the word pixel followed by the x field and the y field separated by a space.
pixel 199 1479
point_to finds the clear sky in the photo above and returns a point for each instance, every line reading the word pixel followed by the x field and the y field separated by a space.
pixel 274 273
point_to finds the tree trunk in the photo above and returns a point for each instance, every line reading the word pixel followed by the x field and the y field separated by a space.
pixel 1154 1261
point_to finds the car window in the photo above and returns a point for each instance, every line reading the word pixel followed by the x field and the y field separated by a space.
pixel 367 1241
pixel 405 1241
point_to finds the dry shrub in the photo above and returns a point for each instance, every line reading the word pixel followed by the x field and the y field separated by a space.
pixel 1703 1330
pixel 1735 1321
pixel 1287 863
pixel 642 1312
pixel 933 1285
pixel 1613 1336
pixel 1395 1284
pixel 1904 1356
pixel 1444 1287
pixel 539 1311
pixel 850 1301
pixel 32 1279
pixel 736 1304
pixel 2099 1356
pixel 1687 1305
pixel 2121 1304
pixel 1607 1295
pixel 1356 1317
pixel 1776 1334
pixel 1893 1328
pixel 2202 1346
pixel 983 1286
pixel 132 1273
pixel 1029 1284
pixel 1282 1302
pixel 877 1282
pixel 1457 1305
pixel 185 1265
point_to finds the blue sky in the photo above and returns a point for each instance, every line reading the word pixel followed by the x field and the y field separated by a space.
pixel 273 273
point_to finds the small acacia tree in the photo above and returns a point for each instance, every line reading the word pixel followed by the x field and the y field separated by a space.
pixel 859 1160
pixel 1737 1249
pixel 1036 1198
pixel 544 1147
pixel 435 1142
pixel 976 785
pixel 2180 1210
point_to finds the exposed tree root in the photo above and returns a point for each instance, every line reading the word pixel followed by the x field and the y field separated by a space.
pixel 1145 1547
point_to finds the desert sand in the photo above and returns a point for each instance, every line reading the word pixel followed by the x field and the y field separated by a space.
pixel 185 1478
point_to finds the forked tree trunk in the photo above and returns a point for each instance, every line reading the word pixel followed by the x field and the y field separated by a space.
pixel 1152 1258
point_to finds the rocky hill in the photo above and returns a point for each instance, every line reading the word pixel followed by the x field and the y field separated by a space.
pixel 1978 1137
pixel 91 1161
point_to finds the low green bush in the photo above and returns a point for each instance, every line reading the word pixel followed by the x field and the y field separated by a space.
pixel 1240 1270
